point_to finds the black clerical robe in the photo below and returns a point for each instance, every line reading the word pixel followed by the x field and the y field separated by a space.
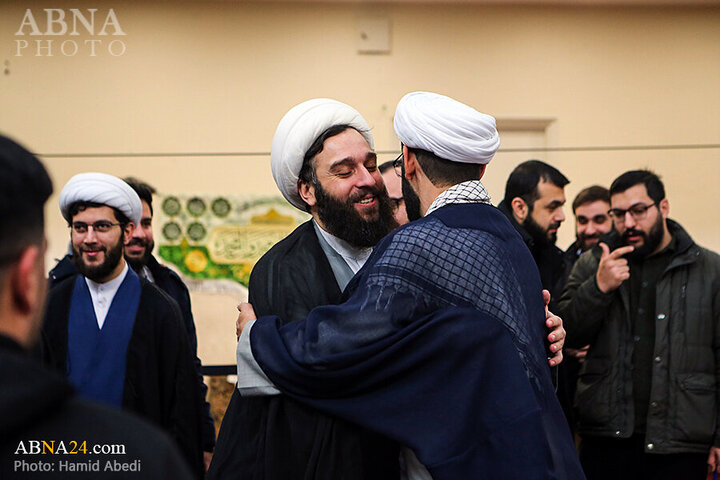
pixel 160 383
pixel 276 438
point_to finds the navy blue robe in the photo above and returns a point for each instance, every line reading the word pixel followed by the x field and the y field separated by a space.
pixel 439 345
pixel 96 357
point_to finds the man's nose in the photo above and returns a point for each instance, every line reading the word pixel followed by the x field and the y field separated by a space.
pixel 559 216
pixel 90 236
pixel 139 233
pixel 364 178
pixel 629 220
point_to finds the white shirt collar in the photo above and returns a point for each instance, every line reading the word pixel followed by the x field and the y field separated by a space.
pixel 354 256
pixel 102 294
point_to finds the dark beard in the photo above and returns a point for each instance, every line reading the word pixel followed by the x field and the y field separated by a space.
pixel 137 264
pixel 582 240
pixel 412 201
pixel 98 272
pixel 342 220
pixel 538 234
pixel 652 240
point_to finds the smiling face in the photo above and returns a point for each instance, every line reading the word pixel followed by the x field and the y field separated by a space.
pixel 592 222
pixel 349 198
pixel 347 170
pixel 99 256
pixel 140 247
pixel 547 211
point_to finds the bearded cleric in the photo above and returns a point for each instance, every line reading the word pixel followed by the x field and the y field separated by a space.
pixel 323 162
pixel 118 338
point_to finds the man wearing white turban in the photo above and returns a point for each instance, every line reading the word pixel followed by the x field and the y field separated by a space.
pixel 439 343
pixel 323 162
pixel 118 338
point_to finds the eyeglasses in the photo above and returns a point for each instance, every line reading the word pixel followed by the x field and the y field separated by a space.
pixel 396 202
pixel 637 212
pixel 397 165
pixel 101 226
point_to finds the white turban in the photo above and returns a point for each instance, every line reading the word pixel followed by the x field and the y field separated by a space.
pixel 297 130
pixel 449 129
pixel 104 189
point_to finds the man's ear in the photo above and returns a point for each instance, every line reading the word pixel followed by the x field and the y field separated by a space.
pixel 307 192
pixel 25 280
pixel 520 209
pixel 664 207
pixel 410 162
pixel 128 233
pixel 483 167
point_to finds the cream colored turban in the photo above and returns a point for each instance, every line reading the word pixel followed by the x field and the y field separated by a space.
pixel 297 130
pixel 101 188
pixel 449 129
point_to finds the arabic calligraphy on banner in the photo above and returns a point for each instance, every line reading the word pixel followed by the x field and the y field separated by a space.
pixel 219 238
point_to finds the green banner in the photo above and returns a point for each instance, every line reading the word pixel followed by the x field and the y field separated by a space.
pixel 210 237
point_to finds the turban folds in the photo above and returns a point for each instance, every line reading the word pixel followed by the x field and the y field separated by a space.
pixel 297 131
pixel 104 189
pixel 449 129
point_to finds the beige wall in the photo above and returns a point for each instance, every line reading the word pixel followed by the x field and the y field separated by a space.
pixel 200 77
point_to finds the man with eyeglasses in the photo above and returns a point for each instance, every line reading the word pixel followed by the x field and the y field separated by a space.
pixel 138 254
pixel 647 300
pixel 390 172
pixel 118 338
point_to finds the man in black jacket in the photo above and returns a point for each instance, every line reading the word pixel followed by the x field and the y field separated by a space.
pixel 534 199
pixel 138 253
pixel 647 300
pixel 39 412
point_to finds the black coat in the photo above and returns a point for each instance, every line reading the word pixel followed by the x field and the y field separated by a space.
pixel 550 260
pixel 170 283
pixel 276 438
pixel 37 404
pixel 160 380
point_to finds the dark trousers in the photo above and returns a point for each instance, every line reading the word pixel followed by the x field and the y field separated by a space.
pixel 625 459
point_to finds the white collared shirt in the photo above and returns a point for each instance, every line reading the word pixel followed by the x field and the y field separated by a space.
pixel 355 257
pixel 102 294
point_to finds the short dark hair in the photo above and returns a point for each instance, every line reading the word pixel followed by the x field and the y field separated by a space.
pixel 443 173
pixel 589 195
pixel 144 190
pixel 24 188
pixel 76 207
pixel 524 180
pixel 307 172
pixel 652 182
pixel 385 166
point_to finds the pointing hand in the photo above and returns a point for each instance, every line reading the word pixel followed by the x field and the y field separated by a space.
pixel 613 269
